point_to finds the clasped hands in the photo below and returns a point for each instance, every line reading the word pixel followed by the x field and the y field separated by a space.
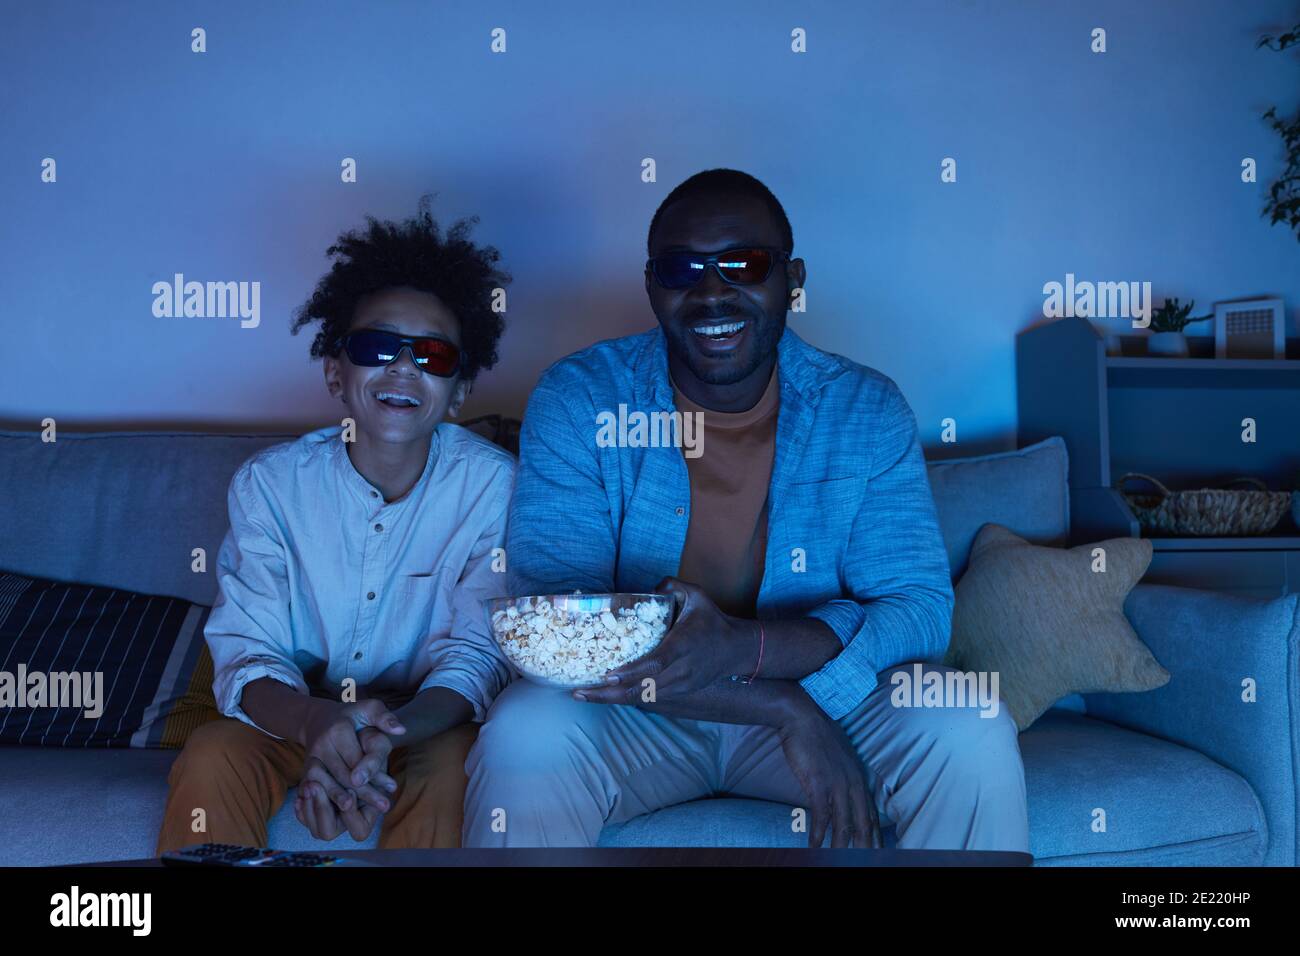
pixel 345 783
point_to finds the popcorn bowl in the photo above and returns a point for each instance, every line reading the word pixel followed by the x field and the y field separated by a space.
pixel 571 640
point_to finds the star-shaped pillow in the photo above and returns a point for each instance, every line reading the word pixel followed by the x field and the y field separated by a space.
pixel 1050 621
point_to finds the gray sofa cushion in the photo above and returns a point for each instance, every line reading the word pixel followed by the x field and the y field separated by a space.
pixel 120 509
pixel 1216 646
pixel 1165 805
pixel 1024 490
pixel 82 806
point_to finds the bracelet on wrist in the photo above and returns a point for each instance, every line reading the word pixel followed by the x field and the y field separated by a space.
pixel 762 642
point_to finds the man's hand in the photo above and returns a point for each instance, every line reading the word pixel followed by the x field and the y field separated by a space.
pixel 703 645
pixel 334 740
pixel 831 775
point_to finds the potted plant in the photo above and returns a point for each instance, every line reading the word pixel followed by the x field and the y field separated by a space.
pixel 1283 204
pixel 1167 338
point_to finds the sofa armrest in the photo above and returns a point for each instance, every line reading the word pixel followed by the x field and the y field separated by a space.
pixel 1211 642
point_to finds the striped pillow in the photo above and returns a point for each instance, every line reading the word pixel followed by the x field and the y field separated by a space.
pixel 86 666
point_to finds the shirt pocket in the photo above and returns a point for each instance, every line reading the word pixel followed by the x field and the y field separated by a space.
pixel 838 493
pixel 429 599
pixel 821 512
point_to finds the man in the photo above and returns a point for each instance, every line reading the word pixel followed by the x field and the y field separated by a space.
pixel 352 575
pixel 802 551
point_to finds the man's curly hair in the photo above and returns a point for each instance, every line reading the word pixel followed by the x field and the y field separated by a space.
pixel 416 254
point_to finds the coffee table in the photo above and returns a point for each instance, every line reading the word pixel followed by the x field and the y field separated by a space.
pixel 667 857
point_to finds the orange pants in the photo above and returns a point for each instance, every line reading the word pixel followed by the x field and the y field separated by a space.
pixel 239 776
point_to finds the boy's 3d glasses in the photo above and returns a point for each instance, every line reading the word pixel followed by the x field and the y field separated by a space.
pixel 374 347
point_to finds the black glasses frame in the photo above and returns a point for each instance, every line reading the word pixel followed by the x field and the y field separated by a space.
pixel 406 342
pixel 778 255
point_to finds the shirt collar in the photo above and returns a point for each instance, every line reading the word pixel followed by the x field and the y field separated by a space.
pixel 370 493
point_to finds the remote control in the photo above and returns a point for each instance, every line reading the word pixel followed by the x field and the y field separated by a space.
pixel 227 854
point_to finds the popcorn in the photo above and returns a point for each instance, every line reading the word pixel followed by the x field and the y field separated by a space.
pixel 573 648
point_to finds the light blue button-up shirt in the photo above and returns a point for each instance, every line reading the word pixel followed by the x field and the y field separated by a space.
pixel 853 536
pixel 322 582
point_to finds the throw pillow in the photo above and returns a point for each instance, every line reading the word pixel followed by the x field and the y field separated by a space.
pixel 86 666
pixel 1050 621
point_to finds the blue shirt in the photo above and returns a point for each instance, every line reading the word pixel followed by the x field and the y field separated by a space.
pixel 853 537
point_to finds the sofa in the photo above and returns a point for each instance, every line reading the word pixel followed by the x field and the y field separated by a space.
pixel 1186 775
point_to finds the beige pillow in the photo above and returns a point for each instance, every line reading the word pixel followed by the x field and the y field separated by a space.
pixel 1048 623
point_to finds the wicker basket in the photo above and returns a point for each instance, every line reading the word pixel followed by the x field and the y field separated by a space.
pixel 1207 512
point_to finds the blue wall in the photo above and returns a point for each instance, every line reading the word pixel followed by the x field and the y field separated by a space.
pixel 225 166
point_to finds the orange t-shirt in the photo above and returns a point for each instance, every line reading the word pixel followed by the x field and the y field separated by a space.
pixel 726 540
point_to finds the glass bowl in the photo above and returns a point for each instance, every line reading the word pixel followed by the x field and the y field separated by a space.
pixel 571 640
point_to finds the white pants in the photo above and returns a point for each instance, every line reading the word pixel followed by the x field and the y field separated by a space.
pixel 548 770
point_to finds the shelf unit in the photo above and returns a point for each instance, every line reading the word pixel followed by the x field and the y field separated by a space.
pixel 1178 419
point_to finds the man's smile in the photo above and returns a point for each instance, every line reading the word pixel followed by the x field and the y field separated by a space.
pixel 718 337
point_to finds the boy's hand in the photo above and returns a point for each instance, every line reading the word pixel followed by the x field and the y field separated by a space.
pixel 373 765
pixel 320 806
pixel 333 739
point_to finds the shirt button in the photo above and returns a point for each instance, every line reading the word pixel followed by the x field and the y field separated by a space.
pixel 370 596
pixel 356 656
pixel 374 494
pixel 379 527
pixel 681 511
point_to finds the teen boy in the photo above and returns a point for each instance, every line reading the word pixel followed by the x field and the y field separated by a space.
pixel 350 648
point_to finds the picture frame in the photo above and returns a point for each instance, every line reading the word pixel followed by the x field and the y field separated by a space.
pixel 1250 329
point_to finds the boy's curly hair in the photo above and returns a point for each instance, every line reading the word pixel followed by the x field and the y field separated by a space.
pixel 414 253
